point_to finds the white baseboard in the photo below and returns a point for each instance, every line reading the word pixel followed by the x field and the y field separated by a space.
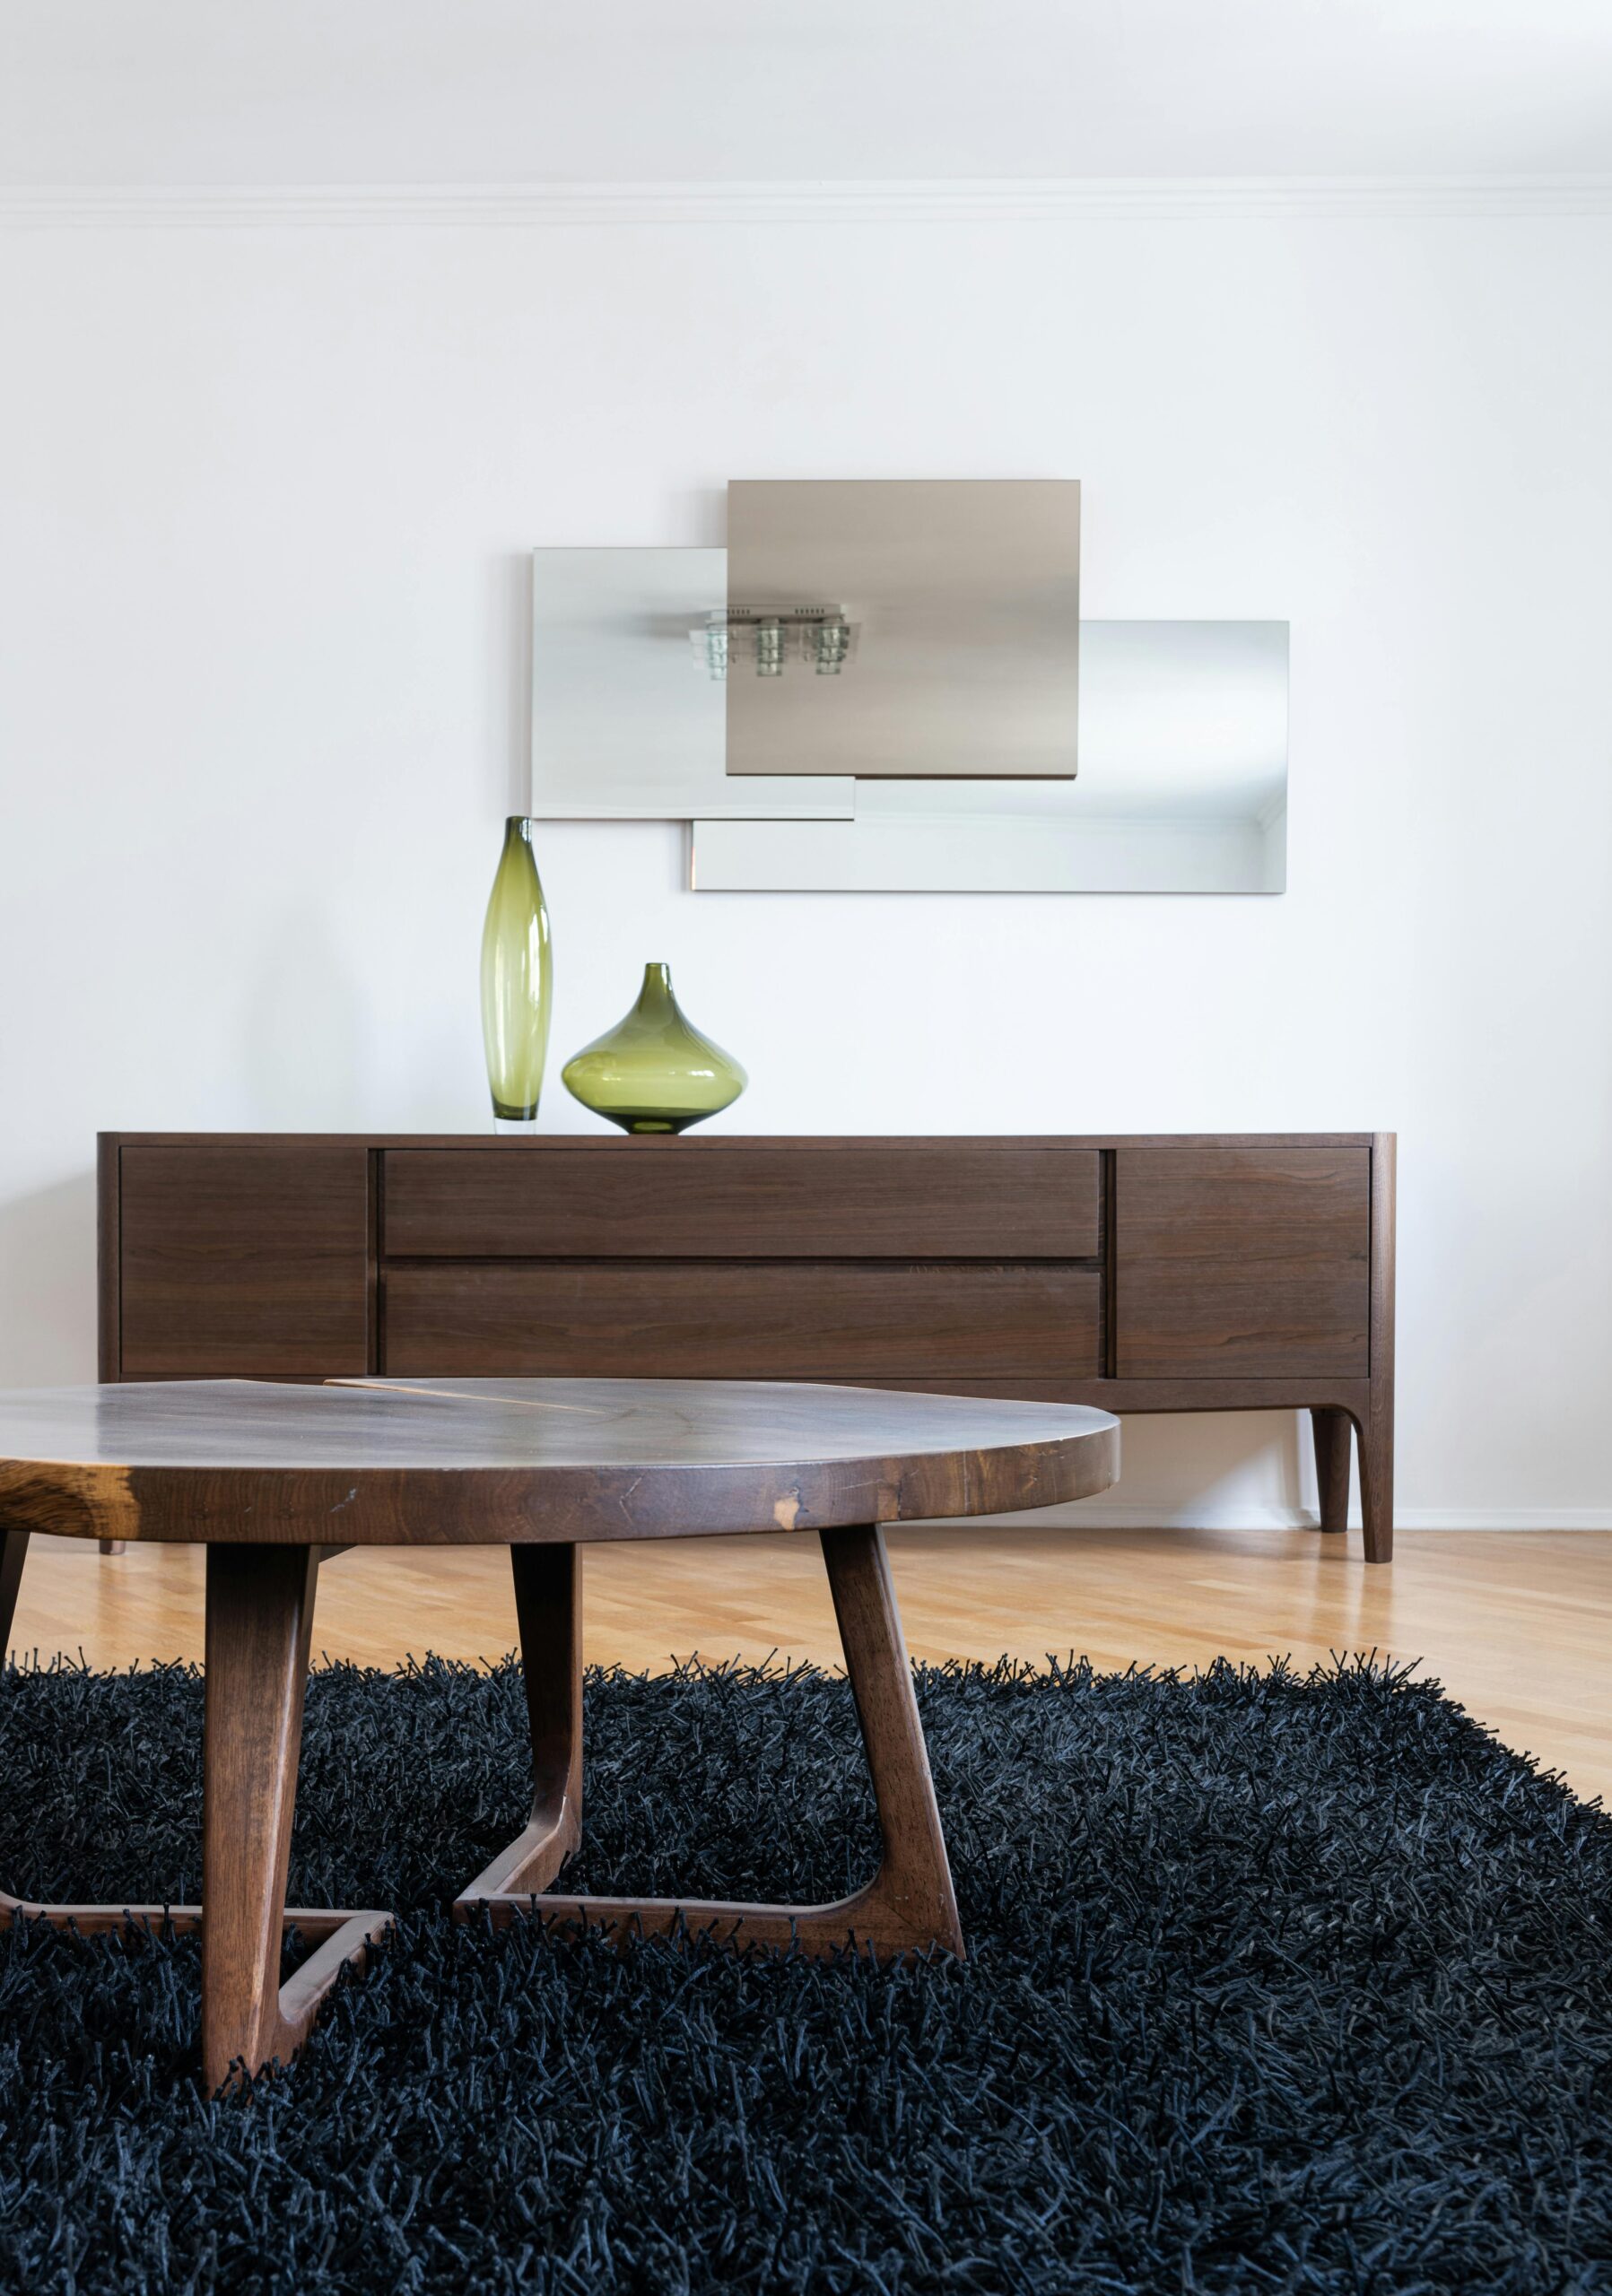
pixel 1503 1518
pixel 1084 1516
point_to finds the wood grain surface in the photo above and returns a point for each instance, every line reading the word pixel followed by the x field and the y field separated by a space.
pixel 235 1261
pixel 506 1462
pixel 1239 1262
pixel 259 1618
pixel 1134 1272
pixel 257 1472
pixel 907 1906
pixel 830 1199
pixel 744 1320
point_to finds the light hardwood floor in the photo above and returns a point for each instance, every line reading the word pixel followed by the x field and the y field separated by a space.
pixel 1515 1626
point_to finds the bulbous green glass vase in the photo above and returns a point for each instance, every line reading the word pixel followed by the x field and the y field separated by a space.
pixel 517 979
pixel 654 1072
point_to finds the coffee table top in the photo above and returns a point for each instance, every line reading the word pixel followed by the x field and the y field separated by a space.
pixel 499 1462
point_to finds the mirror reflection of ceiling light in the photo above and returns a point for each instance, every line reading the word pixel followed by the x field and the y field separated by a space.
pixel 768 637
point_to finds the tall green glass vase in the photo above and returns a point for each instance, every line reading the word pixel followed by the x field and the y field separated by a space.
pixel 654 1072
pixel 517 979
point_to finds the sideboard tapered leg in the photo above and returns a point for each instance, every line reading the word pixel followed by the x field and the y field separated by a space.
pixel 1376 1433
pixel 1333 1431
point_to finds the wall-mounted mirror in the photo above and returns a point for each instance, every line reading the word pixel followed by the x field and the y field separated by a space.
pixel 1183 788
pixel 1182 736
pixel 903 627
pixel 628 711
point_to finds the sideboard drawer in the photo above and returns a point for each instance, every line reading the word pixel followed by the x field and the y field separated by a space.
pixel 1247 1263
pixel 742 1320
pixel 843 1199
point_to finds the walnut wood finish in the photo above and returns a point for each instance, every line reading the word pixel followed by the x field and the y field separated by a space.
pixel 744 1320
pixel 952 1199
pixel 259 1613
pixel 109 1257
pixel 454 1462
pixel 548 1612
pixel 1330 1430
pixel 1133 1272
pixel 108 1214
pixel 236 1261
pixel 908 1907
pixel 269 1475
pixel 259 1619
pixel 1243 1262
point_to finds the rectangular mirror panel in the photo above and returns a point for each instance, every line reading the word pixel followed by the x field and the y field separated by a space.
pixel 1183 788
pixel 627 720
pixel 902 627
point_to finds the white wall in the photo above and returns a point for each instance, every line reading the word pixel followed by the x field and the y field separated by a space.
pixel 266 493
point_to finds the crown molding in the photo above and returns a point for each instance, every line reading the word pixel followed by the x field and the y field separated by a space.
pixel 547 206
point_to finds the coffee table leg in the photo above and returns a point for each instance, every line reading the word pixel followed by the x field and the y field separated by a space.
pixel 907 1906
pixel 259 1618
pixel 259 1614
pixel 548 1610
pixel 913 1889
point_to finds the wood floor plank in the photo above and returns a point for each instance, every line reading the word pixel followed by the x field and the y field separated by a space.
pixel 1518 1626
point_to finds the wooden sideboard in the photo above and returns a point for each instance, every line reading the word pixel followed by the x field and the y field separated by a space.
pixel 1200 1272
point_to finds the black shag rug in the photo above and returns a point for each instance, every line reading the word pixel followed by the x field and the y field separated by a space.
pixel 1277 1983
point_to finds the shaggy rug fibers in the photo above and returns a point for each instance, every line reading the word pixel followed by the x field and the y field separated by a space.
pixel 1276 1984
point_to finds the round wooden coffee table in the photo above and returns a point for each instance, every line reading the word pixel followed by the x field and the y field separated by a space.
pixel 272 1478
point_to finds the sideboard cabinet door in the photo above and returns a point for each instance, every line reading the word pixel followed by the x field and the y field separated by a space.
pixel 237 1259
pixel 1249 1263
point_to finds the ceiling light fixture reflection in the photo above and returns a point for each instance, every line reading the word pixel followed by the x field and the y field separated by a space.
pixel 769 637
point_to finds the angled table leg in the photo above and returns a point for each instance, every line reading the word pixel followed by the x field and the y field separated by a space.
pixel 259 1619
pixel 548 1610
pixel 909 1905
pixel 259 1614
